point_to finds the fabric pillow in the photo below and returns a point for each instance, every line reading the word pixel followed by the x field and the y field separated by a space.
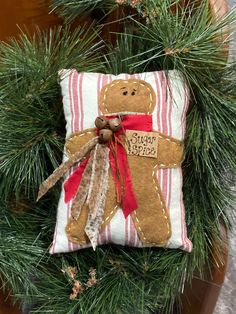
pixel 144 102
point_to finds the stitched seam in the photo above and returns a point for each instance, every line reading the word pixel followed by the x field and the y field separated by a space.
pixel 174 140
pixel 154 181
pixel 169 165
pixel 127 81
pixel 73 136
pixel 75 239
pixel 109 216
pixel 159 193
pixel 163 211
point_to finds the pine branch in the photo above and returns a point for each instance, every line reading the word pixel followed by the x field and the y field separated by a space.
pixel 118 58
pixel 20 251
pixel 31 115
pixel 31 139
pixel 186 39
pixel 70 10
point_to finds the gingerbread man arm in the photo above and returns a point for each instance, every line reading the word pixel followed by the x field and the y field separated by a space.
pixel 169 152
pixel 78 139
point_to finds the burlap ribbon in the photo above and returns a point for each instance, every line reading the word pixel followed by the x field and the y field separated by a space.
pixel 92 188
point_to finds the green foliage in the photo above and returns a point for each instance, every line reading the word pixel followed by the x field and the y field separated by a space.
pixel 118 58
pixel 124 277
pixel 31 117
pixel 71 9
pixel 20 251
pixel 186 39
pixel 31 141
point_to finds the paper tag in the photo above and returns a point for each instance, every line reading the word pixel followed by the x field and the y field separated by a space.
pixel 139 143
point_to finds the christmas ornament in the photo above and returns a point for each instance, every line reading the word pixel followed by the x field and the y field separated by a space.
pixel 123 151
pixel 188 39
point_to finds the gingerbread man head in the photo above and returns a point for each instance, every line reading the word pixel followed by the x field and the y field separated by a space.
pixel 127 96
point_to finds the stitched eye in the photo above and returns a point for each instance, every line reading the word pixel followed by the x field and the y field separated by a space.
pixel 125 93
pixel 133 93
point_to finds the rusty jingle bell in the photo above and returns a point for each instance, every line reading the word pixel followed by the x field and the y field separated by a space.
pixel 107 128
pixel 105 135
pixel 101 123
pixel 115 124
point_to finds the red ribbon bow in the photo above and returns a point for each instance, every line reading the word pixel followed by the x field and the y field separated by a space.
pixel 129 202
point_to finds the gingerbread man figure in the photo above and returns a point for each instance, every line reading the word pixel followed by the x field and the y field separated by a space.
pixel 151 218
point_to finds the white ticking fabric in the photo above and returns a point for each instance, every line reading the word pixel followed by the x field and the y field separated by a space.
pixel 80 93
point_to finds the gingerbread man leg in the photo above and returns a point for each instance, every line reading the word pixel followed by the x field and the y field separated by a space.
pixel 75 228
pixel 151 218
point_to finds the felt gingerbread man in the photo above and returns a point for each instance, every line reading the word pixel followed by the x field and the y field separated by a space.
pixel 124 98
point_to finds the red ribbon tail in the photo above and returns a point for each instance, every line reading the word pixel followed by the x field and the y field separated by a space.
pixel 72 183
pixel 129 202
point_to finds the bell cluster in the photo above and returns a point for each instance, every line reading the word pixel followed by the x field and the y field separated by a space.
pixel 107 128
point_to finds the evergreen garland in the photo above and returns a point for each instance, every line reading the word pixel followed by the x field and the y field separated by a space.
pixel 129 280
pixel 30 102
